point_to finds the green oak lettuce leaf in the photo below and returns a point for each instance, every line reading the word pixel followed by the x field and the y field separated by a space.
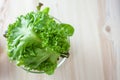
pixel 36 41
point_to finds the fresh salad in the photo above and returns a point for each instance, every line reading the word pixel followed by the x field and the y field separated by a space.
pixel 36 41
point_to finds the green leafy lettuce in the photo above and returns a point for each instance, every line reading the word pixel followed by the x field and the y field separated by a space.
pixel 37 40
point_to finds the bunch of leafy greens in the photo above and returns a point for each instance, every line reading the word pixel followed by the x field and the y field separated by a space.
pixel 36 41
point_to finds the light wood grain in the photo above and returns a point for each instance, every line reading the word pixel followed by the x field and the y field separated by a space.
pixel 94 46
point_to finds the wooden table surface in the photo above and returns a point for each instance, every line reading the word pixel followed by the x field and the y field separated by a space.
pixel 95 45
